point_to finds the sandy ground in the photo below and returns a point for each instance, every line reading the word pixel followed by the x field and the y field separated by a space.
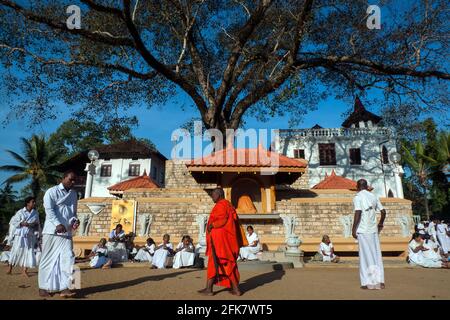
pixel 306 283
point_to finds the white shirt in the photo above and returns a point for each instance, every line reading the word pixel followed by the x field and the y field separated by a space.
pixel 96 249
pixel 113 234
pixel 369 205
pixel 252 238
pixel 325 248
pixel 180 246
pixel 421 228
pixel 60 208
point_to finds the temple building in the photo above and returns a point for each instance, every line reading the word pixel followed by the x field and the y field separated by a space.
pixel 361 148
pixel 292 194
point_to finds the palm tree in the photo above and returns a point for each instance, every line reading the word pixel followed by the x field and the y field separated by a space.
pixel 421 166
pixel 37 163
pixel 7 195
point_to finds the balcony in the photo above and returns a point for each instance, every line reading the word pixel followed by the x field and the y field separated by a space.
pixel 335 132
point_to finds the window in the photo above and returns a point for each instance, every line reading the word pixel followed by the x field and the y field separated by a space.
pixel 355 156
pixel 105 170
pixel 384 155
pixel 134 170
pixel 327 154
pixel 299 153
pixel 154 173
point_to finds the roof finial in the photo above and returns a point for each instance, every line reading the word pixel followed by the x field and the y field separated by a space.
pixel 358 105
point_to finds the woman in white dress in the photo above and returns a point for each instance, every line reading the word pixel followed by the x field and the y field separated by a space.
pixel 249 252
pixel 146 253
pixel 326 249
pixel 417 257
pixel 99 256
pixel 163 254
pixel 26 221
pixel 185 253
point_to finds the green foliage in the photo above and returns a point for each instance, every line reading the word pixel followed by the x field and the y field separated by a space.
pixel 37 164
pixel 425 158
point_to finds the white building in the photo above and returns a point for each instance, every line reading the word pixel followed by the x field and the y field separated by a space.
pixel 359 149
pixel 116 163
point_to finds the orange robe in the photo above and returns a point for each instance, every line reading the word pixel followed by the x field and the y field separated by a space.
pixel 227 239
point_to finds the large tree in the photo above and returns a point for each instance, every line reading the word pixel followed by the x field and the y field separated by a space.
pixel 231 57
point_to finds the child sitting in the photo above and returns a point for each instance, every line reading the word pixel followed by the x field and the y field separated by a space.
pixel 326 249
pixel 185 254
pixel 162 254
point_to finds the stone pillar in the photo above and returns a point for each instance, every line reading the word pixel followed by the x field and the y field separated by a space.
pixel 90 169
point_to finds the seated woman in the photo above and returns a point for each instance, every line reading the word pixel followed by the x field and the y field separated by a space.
pixel 326 249
pixel 163 253
pixel 185 253
pixel 117 250
pixel 146 253
pixel 416 256
pixel 249 252
pixel 99 256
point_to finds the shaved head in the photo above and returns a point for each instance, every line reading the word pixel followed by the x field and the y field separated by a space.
pixel 217 194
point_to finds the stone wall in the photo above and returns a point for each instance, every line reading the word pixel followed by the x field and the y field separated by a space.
pixel 174 211
pixel 177 175
pixel 320 216
pixel 302 182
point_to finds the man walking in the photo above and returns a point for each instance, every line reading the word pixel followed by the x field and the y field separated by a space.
pixel 57 259
pixel 366 230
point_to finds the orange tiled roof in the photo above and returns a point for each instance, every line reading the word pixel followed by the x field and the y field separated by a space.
pixel 335 182
pixel 143 181
pixel 247 157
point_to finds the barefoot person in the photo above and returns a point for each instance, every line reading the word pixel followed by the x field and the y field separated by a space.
pixel 223 239
pixel 26 220
pixel 366 230
pixel 99 256
pixel 57 259
pixel 326 249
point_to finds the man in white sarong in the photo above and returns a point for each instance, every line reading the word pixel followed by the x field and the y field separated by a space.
pixel 26 221
pixel 441 235
pixel 163 254
pixel 249 252
pixel 57 258
pixel 366 230
pixel 185 254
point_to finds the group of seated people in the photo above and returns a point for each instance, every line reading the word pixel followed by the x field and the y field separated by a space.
pixel 120 248
pixel 165 255
pixel 430 244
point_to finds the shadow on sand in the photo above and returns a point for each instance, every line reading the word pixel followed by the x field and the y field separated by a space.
pixel 258 281
pixel 84 292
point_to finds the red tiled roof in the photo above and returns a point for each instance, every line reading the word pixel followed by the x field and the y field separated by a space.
pixel 247 157
pixel 143 181
pixel 335 182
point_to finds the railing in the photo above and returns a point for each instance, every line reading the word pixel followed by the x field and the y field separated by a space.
pixel 335 132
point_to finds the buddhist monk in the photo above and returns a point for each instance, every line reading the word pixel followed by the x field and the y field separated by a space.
pixel 223 240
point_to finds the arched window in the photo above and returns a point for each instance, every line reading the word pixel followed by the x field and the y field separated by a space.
pixel 384 155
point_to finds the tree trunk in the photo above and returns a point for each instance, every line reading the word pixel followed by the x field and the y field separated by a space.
pixel 427 210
